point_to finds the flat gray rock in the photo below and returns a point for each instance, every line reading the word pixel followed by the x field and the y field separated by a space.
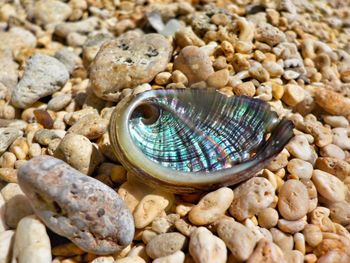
pixel 7 137
pixel 76 206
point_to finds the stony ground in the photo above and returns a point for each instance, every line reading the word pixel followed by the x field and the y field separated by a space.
pixel 56 99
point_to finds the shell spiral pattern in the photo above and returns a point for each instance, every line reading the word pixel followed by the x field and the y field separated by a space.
pixel 195 139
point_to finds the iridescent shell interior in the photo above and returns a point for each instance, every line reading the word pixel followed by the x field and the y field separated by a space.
pixel 195 139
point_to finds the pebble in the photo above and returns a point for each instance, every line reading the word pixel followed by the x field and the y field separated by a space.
pixel 16 206
pixel 17 38
pixel 291 227
pixel 211 207
pixel 244 89
pixel 340 212
pixel 51 12
pixel 3 226
pixel 269 34
pixel 332 150
pixel 245 204
pixel 274 69
pixel 339 168
pixel 336 121
pixel 32 244
pixel 79 152
pixel 205 247
pixel 238 238
pixel 45 136
pixel 82 27
pixel 300 168
pixel 103 260
pixel 91 126
pixel 59 102
pixel 132 193
pixel 218 79
pixel 150 206
pixel 283 240
pixel 293 200
pixel 329 186
pixel 266 251
pixel 105 227
pixel 259 73
pixel 194 63
pixel 293 94
pixel 177 257
pixel 8 70
pixel 333 102
pixel 313 235
pixel 165 244
pixel 8 175
pixel 128 61
pixel 68 58
pixel 43 76
pixel 7 137
pixel 268 217
pixel 299 147
pixel 6 244
pixel 130 260
pixel 340 138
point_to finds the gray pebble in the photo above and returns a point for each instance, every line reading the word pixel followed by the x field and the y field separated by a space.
pixel 76 206
pixel 165 244
pixel 45 136
pixel 91 126
pixel 7 137
pixel 58 102
pixel 128 61
pixel 43 76
pixel 68 58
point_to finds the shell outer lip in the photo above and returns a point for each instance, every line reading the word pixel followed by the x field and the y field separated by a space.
pixel 151 173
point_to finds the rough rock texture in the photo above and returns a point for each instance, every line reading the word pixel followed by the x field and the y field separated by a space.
pixel 60 193
pixel 43 76
pixel 128 61
pixel 7 137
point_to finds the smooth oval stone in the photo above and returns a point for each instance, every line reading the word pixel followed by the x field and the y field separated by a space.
pixel 128 61
pixel 76 206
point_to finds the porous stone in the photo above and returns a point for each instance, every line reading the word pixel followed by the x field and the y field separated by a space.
pixel 7 137
pixel 269 34
pixel 339 168
pixel 58 194
pixel 300 148
pixel 79 152
pixel 293 94
pixel 43 76
pixel 293 200
pixel 194 63
pixel 340 138
pixel 245 204
pixel 206 247
pixel 211 206
pixel 333 151
pixel 238 238
pixel 91 126
pixel 266 251
pixel 8 71
pixel 329 186
pixel 165 244
pixel 32 244
pixel 312 234
pixel 128 61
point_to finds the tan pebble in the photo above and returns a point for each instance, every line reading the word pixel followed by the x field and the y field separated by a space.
pixel 140 251
pixel 34 150
pixel 148 235
pixel 165 244
pixel 322 134
pixel 290 74
pixel 177 257
pixel 72 117
pixel 6 245
pixel 132 193
pixel 340 212
pixel 130 260
pixel 205 247
pixel 162 78
pixel 220 63
pixel 283 240
pixel 293 200
pixel 310 258
pixel 280 161
pixel 329 186
pixel 211 206
pixel 194 63
pixel 218 79
pixel 299 147
pixel 238 238
pixel 313 198
pixel 300 168
pixel 259 73
pixel 269 34
pixel 266 251
pixel 320 216
pixel 334 242
pixel 183 227
pixel 334 256
pixel 341 138
pixel 79 152
pixel 32 244
pixel 336 121
pixel 183 209
pixel 277 91
pixel 3 226
pixel 7 160
pixel 299 242
pixel 334 166
pixel 244 89
pixel 91 126
pixel 294 256
pixel 161 225
pixel 313 235
pixel 332 150
pixel 178 77
pixel 264 92
pixel 291 226
pixel 246 205
pixel 268 217
pixel 150 207
pixel 220 19
pixel 67 250
pixel 274 69
pixel 8 175
pixel 333 102
pixel 293 94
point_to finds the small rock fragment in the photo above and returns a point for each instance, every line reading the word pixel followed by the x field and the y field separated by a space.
pixel 165 244
pixel 91 126
pixel 329 186
pixel 7 137
pixel 59 193
pixel 267 251
pixel 333 102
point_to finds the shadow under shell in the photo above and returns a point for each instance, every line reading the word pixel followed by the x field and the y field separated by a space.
pixel 196 139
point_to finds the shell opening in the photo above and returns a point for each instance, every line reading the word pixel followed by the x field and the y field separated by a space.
pixel 148 112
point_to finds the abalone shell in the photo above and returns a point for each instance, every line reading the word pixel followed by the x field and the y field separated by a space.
pixel 195 139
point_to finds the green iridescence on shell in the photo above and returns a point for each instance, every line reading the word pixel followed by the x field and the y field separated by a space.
pixel 197 132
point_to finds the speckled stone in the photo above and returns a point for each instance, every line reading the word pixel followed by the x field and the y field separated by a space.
pixel 76 206
pixel 127 62
pixel 7 137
